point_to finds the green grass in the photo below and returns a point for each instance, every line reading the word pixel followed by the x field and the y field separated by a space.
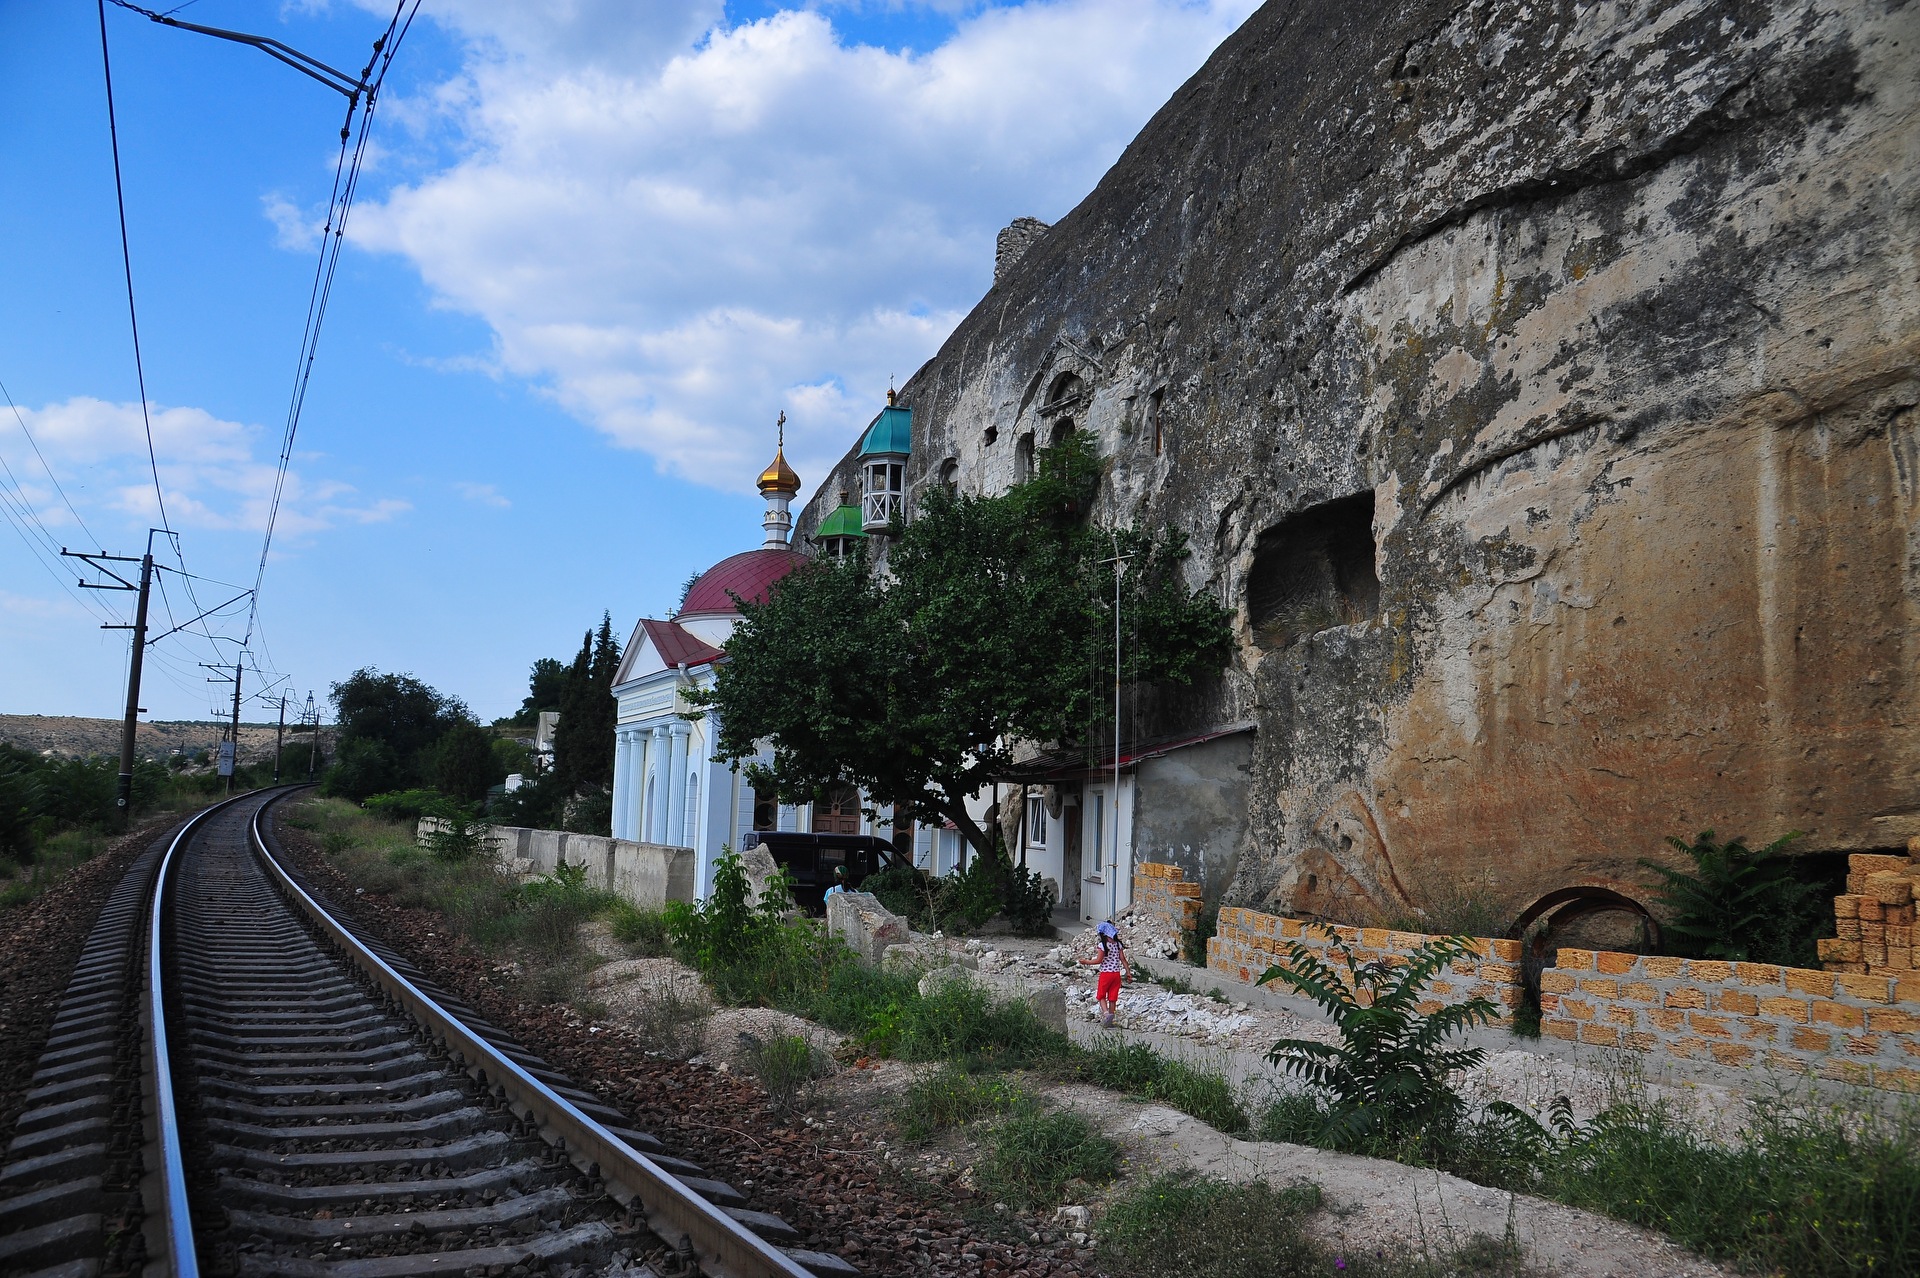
pixel 946 1097
pixel 1189 1227
pixel 1823 1192
pixel 1138 1070
pixel 537 923
pixel 1033 1154
pixel 53 859
pixel 642 931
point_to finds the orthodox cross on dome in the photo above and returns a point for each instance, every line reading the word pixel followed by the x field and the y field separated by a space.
pixel 778 484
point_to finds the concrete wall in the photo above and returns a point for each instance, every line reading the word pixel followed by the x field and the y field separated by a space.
pixel 1192 810
pixel 647 874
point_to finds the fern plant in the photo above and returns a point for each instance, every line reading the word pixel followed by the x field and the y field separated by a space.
pixel 1736 902
pixel 1386 1078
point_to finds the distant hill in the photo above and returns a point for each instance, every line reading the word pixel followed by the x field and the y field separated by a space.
pixel 76 738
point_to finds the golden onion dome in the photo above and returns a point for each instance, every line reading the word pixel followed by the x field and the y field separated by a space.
pixel 778 477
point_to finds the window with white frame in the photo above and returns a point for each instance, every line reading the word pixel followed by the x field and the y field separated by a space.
pixel 1036 822
pixel 884 496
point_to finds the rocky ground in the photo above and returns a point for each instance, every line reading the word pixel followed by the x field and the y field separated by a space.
pixel 1372 1204
pixel 75 738
pixel 39 943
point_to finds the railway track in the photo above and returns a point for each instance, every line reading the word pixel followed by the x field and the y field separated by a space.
pixel 237 1084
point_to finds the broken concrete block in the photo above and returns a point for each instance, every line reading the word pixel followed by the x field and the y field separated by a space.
pixel 868 927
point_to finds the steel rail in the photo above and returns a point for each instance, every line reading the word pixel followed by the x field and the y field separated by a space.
pixel 182 1255
pixel 723 1245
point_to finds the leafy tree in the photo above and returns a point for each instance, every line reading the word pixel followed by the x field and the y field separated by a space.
pixel 462 763
pixel 546 688
pixel 362 766
pixel 918 682
pixel 1739 903
pixel 401 714
pixel 22 800
pixel 583 739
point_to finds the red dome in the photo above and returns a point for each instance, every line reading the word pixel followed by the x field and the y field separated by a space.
pixel 748 575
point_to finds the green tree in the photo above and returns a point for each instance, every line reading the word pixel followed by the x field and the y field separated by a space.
pixel 546 689
pixel 399 712
pixel 583 739
pixel 463 763
pixel 917 683
pixel 1740 903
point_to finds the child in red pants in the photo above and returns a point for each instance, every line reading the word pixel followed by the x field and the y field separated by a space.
pixel 1112 961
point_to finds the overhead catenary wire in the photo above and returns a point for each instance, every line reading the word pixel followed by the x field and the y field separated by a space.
pixel 346 181
pixel 35 445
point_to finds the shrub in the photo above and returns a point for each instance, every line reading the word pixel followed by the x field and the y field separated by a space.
pixel 405 805
pixel 1737 903
pixel 1183 1227
pixel 961 1022
pixel 460 835
pixel 1034 1153
pixel 1387 1076
pixel 727 934
pixel 786 1066
pixel 905 891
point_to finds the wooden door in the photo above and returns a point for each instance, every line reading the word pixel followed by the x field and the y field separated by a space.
pixel 837 811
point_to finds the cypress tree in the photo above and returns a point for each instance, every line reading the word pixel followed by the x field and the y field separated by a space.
pixel 583 741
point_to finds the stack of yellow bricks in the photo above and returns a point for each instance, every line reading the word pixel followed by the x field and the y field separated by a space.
pixel 1164 890
pixel 1874 919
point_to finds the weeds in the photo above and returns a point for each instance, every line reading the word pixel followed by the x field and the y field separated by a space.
pixel 948 1097
pixel 786 1066
pixel 57 855
pixel 642 931
pixel 538 922
pixel 1189 1227
pixel 670 1021
pixel 1034 1153
pixel 1138 1070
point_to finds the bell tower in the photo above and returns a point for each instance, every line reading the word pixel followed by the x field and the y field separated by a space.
pixel 778 484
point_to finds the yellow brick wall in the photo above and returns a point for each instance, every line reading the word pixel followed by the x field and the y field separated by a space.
pixel 1248 942
pixel 1164 890
pixel 1858 1027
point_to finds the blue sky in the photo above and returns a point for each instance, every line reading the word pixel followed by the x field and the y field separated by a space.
pixel 598 246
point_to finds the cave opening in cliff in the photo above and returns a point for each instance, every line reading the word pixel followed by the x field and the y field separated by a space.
pixel 1312 571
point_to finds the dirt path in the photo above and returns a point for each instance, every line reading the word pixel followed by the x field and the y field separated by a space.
pixel 1373 1204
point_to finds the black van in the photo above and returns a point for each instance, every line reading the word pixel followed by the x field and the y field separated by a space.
pixel 810 860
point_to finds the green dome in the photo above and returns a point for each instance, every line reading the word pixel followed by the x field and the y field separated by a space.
pixel 844 521
pixel 891 432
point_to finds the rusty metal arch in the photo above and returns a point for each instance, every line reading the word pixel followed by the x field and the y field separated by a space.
pixel 1563 905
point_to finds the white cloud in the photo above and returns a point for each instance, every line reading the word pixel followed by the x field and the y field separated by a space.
pixel 483 494
pixel 293 227
pixel 678 228
pixel 216 474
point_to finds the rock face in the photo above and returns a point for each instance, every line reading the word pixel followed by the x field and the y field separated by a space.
pixel 1537 382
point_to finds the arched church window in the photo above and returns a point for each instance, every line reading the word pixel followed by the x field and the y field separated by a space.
pixel 1023 458
pixel 693 810
pixel 766 808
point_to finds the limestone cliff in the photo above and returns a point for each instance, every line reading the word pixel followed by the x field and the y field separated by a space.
pixel 1537 381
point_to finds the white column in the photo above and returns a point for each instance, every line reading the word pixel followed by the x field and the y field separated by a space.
pixel 636 779
pixel 622 774
pixel 658 770
pixel 676 803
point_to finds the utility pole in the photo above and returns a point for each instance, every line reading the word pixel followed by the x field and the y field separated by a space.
pixel 1119 562
pixel 279 736
pixel 313 742
pixel 123 787
pixel 230 748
